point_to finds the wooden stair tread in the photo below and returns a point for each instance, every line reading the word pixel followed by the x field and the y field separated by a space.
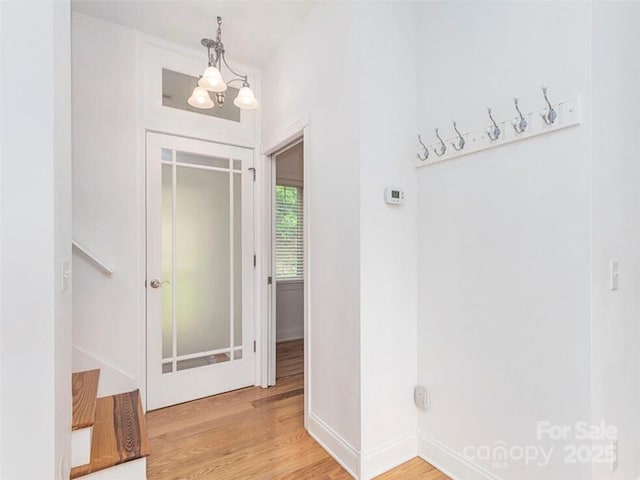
pixel 119 434
pixel 85 391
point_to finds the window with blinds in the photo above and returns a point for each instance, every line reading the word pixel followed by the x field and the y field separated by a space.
pixel 289 246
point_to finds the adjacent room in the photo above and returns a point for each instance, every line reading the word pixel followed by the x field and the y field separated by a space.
pixel 319 239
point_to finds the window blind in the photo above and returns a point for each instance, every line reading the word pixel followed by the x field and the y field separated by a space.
pixel 289 233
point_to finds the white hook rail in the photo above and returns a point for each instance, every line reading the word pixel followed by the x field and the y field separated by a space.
pixel 91 258
pixel 565 114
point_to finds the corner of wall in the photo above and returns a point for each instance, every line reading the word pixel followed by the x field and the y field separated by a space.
pixel 388 239
pixel 388 456
pixel 347 456
pixel 448 461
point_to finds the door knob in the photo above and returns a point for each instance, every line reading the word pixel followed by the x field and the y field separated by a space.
pixel 155 283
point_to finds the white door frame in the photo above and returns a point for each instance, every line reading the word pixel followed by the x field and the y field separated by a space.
pixel 299 129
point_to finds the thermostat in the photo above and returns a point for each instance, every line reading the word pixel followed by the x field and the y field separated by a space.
pixel 394 195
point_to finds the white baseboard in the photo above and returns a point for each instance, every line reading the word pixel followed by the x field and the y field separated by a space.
pixel 134 470
pixel 389 456
pixel 112 380
pixel 335 445
pixel 450 462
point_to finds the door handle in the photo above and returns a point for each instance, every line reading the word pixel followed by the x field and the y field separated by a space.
pixel 155 283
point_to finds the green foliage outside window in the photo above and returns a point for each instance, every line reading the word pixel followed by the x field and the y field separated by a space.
pixel 289 246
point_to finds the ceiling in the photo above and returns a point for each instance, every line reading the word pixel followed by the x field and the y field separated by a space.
pixel 251 30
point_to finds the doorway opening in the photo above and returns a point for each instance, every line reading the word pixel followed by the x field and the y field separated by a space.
pixel 288 261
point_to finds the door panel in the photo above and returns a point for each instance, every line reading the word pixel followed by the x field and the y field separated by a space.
pixel 199 269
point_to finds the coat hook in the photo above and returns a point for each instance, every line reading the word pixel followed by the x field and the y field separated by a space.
pixel 549 115
pixel 460 145
pixel 493 132
pixel 519 125
pixel 426 150
pixel 443 147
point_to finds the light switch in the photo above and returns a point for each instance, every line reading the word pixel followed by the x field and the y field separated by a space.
pixel 614 274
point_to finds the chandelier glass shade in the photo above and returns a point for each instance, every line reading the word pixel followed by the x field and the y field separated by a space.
pixel 212 81
pixel 200 98
pixel 246 99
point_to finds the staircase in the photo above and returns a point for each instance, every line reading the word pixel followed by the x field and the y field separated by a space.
pixel 109 438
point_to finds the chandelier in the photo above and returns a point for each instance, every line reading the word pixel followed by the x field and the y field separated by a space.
pixel 211 80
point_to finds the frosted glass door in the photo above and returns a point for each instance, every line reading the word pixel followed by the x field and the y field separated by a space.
pixel 199 245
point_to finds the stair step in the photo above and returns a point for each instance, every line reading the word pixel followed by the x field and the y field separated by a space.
pixel 119 434
pixel 85 392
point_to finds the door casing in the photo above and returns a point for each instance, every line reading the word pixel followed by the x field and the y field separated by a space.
pixel 300 130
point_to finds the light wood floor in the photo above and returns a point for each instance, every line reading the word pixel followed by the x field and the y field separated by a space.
pixel 290 359
pixel 253 433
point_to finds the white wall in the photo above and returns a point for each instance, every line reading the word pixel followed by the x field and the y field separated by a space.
pixel 63 261
pixel 388 235
pixel 313 75
pixel 35 223
pixel 362 252
pixel 105 190
pixel 289 310
pixel 615 330
pixel 503 235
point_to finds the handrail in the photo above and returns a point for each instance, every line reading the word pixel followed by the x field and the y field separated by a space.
pixel 79 249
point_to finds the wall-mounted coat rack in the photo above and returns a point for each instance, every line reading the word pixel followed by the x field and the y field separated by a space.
pixel 520 127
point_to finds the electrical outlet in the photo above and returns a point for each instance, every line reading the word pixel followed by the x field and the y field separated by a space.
pixel 421 397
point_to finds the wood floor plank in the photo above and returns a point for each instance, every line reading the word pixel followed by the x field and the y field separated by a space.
pixel 416 468
pixel 250 434
pixel 276 398
pixel 84 389
pixel 290 358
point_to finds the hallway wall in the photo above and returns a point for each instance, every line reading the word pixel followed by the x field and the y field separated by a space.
pixel 35 247
pixel 363 251
pixel 106 220
pixel 290 311
pixel 312 78
pixel 615 330
pixel 504 237
pixel 388 241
